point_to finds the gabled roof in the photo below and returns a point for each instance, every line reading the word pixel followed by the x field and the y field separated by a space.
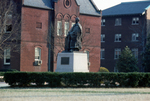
pixel 88 7
pixel 45 4
pixel 127 8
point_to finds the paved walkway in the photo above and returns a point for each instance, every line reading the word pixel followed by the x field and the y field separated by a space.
pixel 3 84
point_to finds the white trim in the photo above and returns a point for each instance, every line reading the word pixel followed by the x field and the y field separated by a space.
pixel 117 37
pixel 59 28
pixel 102 53
pixel 6 55
pixel 135 19
pixel 66 28
pixel 102 37
pixel 37 54
pixel 103 22
pixel 118 22
pixel 116 53
pixel 135 36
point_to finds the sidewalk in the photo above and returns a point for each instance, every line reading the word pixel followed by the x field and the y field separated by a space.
pixel 3 84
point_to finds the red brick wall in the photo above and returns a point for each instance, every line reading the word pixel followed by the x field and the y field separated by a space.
pixel 91 41
pixel 33 37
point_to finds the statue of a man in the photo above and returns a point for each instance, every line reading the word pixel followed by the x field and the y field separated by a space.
pixel 73 41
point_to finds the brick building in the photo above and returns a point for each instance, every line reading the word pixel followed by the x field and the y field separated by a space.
pixel 126 24
pixel 44 25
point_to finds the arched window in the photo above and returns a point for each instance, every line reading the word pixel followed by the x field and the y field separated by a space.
pixel 59 24
pixel 37 53
pixel 66 24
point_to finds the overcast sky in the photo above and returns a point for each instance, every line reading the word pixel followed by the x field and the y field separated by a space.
pixel 103 4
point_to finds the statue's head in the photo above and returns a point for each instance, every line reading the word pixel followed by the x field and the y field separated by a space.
pixel 77 19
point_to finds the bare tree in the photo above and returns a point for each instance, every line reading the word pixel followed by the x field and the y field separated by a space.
pixel 10 25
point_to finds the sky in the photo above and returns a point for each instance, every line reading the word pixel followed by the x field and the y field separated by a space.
pixel 103 4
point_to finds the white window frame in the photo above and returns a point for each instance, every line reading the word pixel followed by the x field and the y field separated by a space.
pixel 102 53
pixel 135 52
pixel 115 69
pixel 102 37
pixel 118 22
pixel 103 22
pixel 66 28
pixel 37 54
pixel 117 37
pixel 117 53
pixel 135 20
pixel 8 16
pixel 135 37
pixel 6 56
pixel 59 28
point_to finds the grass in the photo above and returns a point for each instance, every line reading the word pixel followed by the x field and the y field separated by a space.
pixel 75 94
pixel 85 90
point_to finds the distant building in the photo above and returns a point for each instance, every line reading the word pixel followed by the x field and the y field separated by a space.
pixel 125 24
pixel 44 26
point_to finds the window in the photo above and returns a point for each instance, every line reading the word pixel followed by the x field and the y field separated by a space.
pixel 135 21
pixel 66 28
pixel 8 21
pixel 118 21
pixel 135 37
pixel 87 30
pixel 7 56
pixel 103 22
pixel 37 53
pixel 116 69
pixel 102 53
pixel 135 52
pixel 117 37
pixel 73 24
pixel 8 28
pixel 102 37
pixel 39 25
pixel 59 28
pixel 117 53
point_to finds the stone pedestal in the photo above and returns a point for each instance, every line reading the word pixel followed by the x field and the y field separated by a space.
pixel 72 62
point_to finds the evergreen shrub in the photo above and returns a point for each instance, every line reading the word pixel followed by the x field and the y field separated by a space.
pixel 78 79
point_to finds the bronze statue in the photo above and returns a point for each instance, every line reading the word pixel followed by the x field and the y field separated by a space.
pixel 73 41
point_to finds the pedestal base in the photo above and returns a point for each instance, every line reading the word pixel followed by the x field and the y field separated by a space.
pixel 72 62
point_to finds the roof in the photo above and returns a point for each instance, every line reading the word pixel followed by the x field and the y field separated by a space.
pixel 127 8
pixel 45 4
pixel 88 7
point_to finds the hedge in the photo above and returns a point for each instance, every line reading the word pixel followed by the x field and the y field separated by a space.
pixel 77 79
pixel 1 73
